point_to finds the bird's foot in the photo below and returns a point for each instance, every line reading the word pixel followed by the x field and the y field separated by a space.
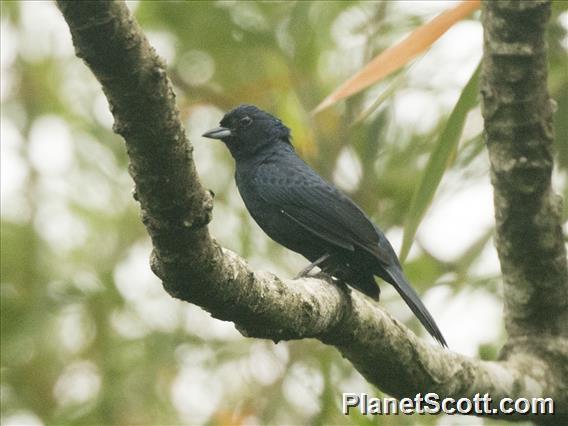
pixel 338 282
pixel 343 286
pixel 323 275
pixel 305 272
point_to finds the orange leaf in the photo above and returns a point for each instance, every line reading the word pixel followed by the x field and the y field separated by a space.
pixel 394 57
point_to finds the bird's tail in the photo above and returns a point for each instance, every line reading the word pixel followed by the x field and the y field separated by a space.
pixel 415 304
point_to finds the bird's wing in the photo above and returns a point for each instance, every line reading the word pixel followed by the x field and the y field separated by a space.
pixel 312 222
pixel 301 194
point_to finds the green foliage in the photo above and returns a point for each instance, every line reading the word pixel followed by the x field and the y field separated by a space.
pixel 440 159
pixel 88 334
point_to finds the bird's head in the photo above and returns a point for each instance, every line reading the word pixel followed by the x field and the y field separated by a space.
pixel 247 130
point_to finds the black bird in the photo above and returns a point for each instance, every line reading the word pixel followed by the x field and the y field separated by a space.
pixel 300 210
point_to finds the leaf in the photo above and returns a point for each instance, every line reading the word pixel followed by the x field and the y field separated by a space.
pixel 444 151
pixel 393 86
pixel 395 57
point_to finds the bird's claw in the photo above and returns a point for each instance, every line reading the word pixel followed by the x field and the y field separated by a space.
pixel 304 272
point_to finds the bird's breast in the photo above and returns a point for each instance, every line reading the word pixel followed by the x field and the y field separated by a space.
pixel 266 215
pixel 273 221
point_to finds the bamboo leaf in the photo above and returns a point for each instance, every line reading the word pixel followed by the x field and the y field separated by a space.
pixel 444 151
pixel 395 57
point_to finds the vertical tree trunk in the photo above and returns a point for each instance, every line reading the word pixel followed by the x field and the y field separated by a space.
pixel 519 133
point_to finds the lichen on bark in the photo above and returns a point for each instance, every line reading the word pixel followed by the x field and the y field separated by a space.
pixel 193 267
pixel 518 132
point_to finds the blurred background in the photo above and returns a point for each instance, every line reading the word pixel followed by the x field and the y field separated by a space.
pixel 88 334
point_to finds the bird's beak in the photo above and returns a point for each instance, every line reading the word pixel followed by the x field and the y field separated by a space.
pixel 217 133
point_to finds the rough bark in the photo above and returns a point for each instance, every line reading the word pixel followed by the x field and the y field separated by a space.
pixel 518 116
pixel 519 132
pixel 193 267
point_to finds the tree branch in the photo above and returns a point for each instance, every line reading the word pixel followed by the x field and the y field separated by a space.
pixel 519 132
pixel 519 135
pixel 193 267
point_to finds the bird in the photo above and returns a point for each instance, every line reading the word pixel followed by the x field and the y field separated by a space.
pixel 300 210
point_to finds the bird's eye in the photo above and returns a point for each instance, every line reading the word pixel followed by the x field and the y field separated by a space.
pixel 245 121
